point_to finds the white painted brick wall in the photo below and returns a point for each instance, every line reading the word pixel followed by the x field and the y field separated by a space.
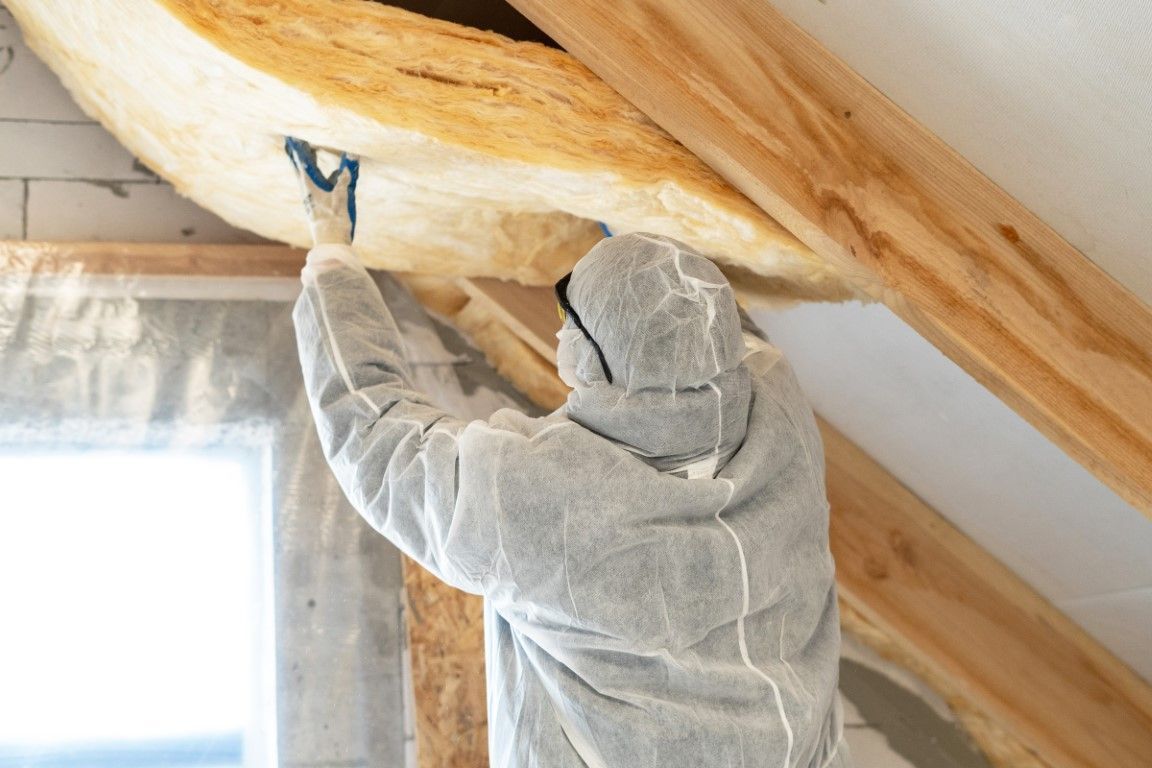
pixel 126 212
pixel 65 151
pixel 11 209
pixel 28 89
pixel 63 177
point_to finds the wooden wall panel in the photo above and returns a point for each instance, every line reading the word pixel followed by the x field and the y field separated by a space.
pixel 446 644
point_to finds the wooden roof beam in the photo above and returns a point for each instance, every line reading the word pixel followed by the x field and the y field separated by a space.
pixel 906 218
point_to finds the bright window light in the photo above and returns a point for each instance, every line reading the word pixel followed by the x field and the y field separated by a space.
pixel 128 588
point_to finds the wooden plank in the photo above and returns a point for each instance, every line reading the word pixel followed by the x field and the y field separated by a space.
pixel 908 219
pixel 156 259
pixel 529 312
pixel 977 628
pixel 446 645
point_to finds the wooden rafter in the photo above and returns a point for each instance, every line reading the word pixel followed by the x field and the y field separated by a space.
pixel 529 312
pixel 908 219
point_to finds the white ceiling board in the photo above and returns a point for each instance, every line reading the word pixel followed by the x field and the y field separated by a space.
pixel 1051 99
pixel 1123 621
pixel 963 451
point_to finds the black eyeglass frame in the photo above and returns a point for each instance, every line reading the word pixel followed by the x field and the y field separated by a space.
pixel 566 306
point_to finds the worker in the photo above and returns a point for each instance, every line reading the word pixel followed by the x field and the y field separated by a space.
pixel 653 555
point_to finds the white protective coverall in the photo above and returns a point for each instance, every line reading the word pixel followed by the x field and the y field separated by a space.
pixel 653 556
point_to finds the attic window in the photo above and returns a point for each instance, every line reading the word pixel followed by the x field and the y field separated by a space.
pixel 130 587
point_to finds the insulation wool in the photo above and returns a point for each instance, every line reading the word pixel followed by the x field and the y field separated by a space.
pixel 481 156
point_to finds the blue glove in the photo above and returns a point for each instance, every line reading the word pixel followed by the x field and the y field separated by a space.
pixel 329 201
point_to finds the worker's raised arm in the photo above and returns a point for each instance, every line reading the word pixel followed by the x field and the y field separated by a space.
pixel 394 454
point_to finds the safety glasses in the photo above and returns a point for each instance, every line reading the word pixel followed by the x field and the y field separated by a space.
pixel 567 311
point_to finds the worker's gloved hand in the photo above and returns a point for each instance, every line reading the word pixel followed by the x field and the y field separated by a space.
pixel 330 201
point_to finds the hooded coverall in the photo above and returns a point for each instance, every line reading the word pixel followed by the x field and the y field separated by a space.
pixel 653 556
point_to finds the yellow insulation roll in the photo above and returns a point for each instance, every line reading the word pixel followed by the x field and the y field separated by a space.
pixel 480 155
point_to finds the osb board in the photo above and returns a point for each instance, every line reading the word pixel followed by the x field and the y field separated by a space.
pixel 480 156
pixel 446 644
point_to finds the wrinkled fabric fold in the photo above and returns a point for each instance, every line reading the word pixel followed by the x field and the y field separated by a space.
pixel 669 431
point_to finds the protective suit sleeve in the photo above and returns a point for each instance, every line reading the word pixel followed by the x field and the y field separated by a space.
pixel 394 454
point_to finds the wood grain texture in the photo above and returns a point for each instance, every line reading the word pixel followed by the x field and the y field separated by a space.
pixel 901 214
pixel 1020 674
pixel 529 312
pixel 174 259
pixel 446 644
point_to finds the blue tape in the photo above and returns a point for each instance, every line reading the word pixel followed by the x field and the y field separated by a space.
pixel 353 167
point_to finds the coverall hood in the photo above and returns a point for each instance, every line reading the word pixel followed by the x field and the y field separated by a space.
pixel 666 320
